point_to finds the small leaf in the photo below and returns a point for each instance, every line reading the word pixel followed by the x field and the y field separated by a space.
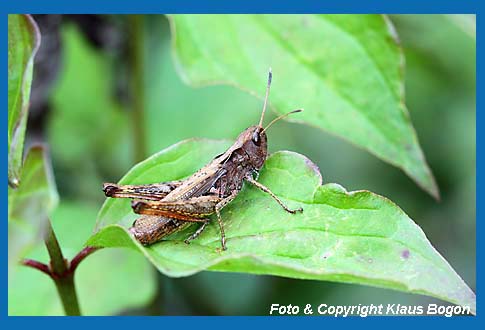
pixel 346 71
pixel 107 282
pixel 23 42
pixel 30 205
pixel 357 237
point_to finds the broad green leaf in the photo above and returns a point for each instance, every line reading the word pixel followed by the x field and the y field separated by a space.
pixel 23 42
pixel 346 71
pixel 353 237
pixel 30 204
pixel 109 281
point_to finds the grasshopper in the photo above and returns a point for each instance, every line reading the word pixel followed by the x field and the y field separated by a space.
pixel 169 207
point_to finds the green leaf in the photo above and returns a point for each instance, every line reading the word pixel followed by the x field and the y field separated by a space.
pixel 23 42
pixel 107 282
pixel 353 237
pixel 30 205
pixel 346 71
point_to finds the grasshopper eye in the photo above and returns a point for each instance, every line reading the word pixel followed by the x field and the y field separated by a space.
pixel 255 138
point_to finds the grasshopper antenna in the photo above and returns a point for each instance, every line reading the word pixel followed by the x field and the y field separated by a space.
pixel 270 76
pixel 281 117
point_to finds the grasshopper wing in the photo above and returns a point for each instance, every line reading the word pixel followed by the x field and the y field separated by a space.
pixel 153 192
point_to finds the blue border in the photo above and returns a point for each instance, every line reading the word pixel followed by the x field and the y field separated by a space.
pixel 228 6
pixel 479 146
pixel 239 322
pixel 240 7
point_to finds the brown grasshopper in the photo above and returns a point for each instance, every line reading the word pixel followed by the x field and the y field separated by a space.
pixel 171 206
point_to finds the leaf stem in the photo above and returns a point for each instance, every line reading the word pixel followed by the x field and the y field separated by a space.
pixel 136 25
pixel 37 265
pixel 81 256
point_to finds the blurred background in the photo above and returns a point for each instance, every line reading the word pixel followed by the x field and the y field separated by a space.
pixel 93 70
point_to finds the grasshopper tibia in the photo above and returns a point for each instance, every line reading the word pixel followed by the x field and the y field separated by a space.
pixel 196 233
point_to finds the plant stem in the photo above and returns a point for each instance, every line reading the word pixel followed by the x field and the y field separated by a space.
pixel 67 291
pixel 136 25
pixel 57 262
pixel 61 273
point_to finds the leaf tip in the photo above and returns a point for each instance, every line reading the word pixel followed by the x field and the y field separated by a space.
pixel 431 187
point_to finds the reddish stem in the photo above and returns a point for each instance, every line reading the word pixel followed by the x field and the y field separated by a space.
pixel 72 265
pixel 37 265
pixel 80 257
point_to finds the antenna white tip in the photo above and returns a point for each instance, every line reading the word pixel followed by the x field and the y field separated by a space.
pixel 270 77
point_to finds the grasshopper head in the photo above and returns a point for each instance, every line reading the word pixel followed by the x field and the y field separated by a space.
pixel 254 143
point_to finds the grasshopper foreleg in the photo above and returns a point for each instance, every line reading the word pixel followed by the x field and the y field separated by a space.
pixel 266 190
